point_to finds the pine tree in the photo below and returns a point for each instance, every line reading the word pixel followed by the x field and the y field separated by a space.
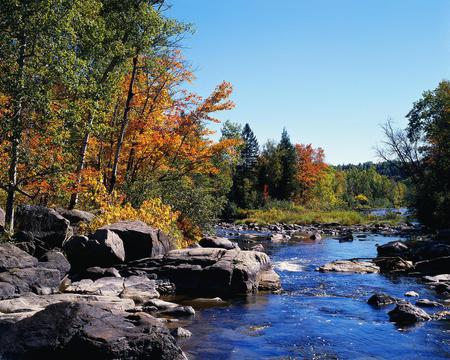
pixel 288 159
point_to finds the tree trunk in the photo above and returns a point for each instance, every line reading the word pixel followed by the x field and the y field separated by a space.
pixel 83 151
pixel 16 139
pixel 123 128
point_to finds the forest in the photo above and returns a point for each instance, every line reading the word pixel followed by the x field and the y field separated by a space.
pixel 95 114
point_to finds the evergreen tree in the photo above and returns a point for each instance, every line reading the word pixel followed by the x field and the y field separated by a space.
pixel 244 192
pixel 288 159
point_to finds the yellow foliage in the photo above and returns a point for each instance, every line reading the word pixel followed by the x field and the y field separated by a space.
pixel 153 212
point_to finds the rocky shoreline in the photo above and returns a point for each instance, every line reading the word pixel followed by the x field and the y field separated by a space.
pixel 68 295
pixel 63 294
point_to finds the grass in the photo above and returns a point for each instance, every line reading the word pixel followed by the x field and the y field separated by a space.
pixel 302 216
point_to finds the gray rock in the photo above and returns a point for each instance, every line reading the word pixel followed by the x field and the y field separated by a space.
pixel 179 311
pixel 208 271
pixel 258 247
pixel 411 294
pixel 269 281
pixel 427 303
pixel 406 313
pixel 96 272
pixel 315 236
pixel 435 266
pixel 380 300
pixel 103 249
pixel 34 279
pixel 11 257
pixel 140 240
pixel 393 248
pixel 351 266
pixel 77 330
pixel 181 332
pixel 217 242
pixel 75 216
pixel 45 224
pixel 437 278
pixel 54 259
pixel 394 265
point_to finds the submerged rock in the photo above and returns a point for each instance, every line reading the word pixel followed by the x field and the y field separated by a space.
pixel 352 266
pixel 78 330
pixel 406 313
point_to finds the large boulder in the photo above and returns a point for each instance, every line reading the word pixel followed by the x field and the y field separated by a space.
pixel 76 216
pixel 11 257
pixel 104 248
pixel 406 313
pixel 43 224
pixel 217 242
pixel 393 248
pixel 210 271
pixel 394 265
pixel 21 272
pixel 350 266
pixel 435 266
pixel 140 240
pixel 79 330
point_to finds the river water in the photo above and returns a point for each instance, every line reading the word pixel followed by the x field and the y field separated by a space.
pixel 320 315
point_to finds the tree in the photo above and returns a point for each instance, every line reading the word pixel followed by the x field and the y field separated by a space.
pixel 310 167
pixel 244 192
pixel 288 158
pixel 36 54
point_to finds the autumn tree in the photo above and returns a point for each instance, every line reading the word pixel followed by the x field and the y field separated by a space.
pixel 310 167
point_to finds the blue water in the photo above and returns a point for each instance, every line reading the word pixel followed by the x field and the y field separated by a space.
pixel 319 316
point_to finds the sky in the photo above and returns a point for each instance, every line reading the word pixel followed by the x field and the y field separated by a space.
pixel 329 71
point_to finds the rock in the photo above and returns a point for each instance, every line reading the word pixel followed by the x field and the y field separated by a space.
pixel 96 272
pixel 394 265
pixel 380 300
pixel 278 237
pixel 427 250
pixel 138 288
pixel 11 257
pixel 352 266
pixel 411 294
pixel 181 332
pixel 217 242
pixel 103 249
pixel 7 290
pixel 445 314
pixel 269 281
pixel 393 248
pixel 434 266
pixel 2 220
pixel 35 279
pixel 78 330
pixel 443 289
pixel 45 224
pixel 406 313
pixel 140 240
pixel 437 278
pixel 315 236
pixel 208 271
pixel 28 304
pixel 179 311
pixel 54 259
pixel 161 305
pixel 427 303
pixel 346 237
pixel 75 216
pixel 258 247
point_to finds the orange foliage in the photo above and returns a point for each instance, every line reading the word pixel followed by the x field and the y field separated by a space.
pixel 310 166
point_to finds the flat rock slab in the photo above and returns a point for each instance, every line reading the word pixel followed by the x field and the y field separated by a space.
pixel 350 266
pixel 137 288
pixel 77 330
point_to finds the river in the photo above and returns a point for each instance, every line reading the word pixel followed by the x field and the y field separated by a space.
pixel 319 315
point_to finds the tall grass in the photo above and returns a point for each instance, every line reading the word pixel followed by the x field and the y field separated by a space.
pixel 294 214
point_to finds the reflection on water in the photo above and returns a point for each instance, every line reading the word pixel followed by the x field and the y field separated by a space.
pixel 319 316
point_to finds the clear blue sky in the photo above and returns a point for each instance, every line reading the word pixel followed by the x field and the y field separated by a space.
pixel 330 71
